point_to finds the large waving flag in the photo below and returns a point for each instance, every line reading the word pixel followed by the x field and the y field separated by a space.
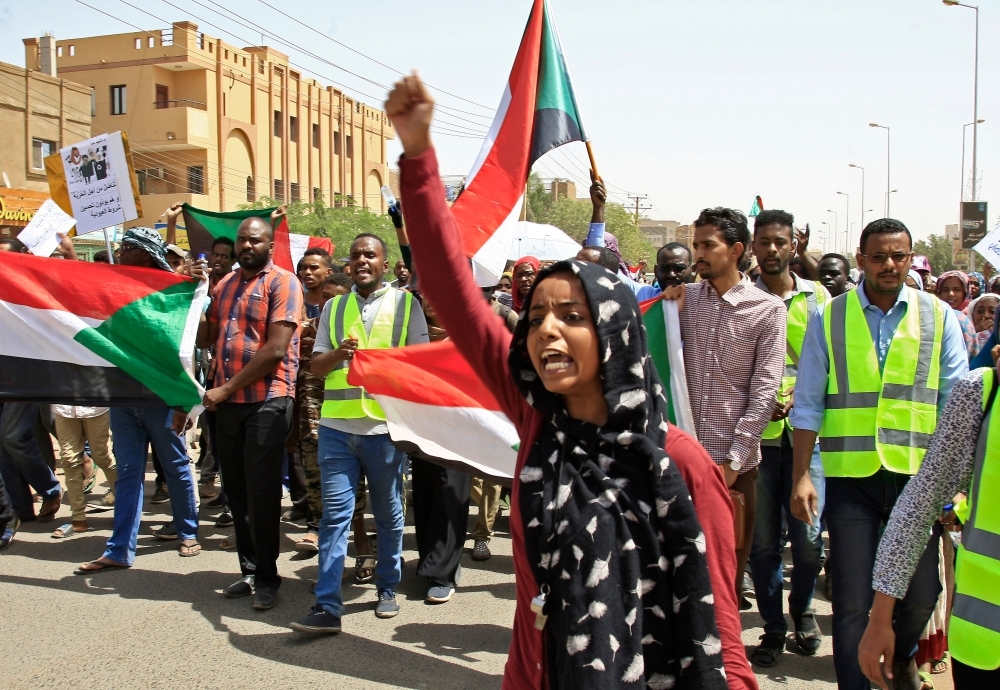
pixel 81 333
pixel 433 399
pixel 204 227
pixel 538 112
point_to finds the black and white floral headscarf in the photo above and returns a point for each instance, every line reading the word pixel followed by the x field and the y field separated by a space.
pixel 610 529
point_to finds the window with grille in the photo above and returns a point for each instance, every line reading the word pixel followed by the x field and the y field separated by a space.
pixel 279 190
pixel 196 179
pixel 295 192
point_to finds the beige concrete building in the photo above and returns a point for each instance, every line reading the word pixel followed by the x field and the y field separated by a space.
pixel 217 125
pixel 39 113
pixel 659 232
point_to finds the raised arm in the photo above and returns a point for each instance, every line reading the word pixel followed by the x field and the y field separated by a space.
pixel 445 275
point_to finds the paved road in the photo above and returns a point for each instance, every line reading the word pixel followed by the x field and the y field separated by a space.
pixel 164 623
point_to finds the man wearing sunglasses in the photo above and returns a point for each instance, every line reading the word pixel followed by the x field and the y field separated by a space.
pixel 876 368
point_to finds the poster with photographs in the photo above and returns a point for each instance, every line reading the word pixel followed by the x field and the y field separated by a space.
pixel 99 182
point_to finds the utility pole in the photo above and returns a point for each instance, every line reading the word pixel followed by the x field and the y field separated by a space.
pixel 638 198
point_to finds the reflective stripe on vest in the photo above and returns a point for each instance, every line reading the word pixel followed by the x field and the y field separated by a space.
pixel 340 399
pixel 800 310
pixel 879 419
pixel 974 630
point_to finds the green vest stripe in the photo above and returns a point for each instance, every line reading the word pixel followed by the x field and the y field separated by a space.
pixel 974 629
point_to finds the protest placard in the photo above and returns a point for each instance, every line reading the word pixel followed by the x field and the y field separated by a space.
pixel 44 233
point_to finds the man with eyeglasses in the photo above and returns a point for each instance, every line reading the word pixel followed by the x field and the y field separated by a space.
pixel 876 368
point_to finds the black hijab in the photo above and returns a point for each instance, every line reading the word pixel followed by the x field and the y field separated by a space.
pixel 609 526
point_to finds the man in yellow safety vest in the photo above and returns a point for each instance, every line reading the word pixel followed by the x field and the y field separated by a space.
pixel 774 244
pixel 353 436
pixel 963 457
pixel 877 366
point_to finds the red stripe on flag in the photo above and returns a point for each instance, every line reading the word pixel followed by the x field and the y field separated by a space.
pixel 282 255
pixel 499 183
pixel 645 306
pixel 322 243
pixel 432 374
pixel 94 291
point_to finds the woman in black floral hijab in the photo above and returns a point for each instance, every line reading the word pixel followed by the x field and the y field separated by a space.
pixel 610 530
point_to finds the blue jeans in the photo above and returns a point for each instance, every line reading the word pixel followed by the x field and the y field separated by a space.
pixel 132 429
pixel 21 461
pixel 774 492
pixel 341 458
pixel 857 509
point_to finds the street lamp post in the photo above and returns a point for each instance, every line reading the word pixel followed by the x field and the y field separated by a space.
pixel 975 95
pixel 862 169
pixel 892 191
pixel 836 227
pixel 847 220
pixel 826 235
pixel 888 158
pixel 962 190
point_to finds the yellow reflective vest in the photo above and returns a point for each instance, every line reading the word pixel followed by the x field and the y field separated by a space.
pixel 340 399
pixel 801 308
pixel 974 630
pixel 879 419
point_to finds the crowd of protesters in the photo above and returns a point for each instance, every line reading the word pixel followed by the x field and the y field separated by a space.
pixel 855 402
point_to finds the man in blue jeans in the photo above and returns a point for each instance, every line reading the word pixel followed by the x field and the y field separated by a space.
pixel 877 367
pixel 132 430
pixel 22 465
pixel 353 435
pixel 774 244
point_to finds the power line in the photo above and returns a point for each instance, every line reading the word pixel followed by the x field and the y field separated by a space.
pixel 382 64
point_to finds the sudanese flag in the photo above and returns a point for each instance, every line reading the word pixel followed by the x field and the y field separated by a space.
pixel 538 112
pixel 80 333
pixel 204 227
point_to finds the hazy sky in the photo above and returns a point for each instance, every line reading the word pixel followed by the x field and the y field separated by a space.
pixel 694 103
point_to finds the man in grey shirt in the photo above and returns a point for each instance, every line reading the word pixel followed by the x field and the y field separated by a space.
pixel 353 435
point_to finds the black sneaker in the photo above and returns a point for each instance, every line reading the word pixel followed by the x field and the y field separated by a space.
pixel 216 502
pixel 295 514
pixel 166 533
pixel 9 530
pixel 265 598
pixel 319 621
pixel 225 518
pixel 160 495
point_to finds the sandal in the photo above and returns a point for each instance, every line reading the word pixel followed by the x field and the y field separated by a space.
pixel 187 550
pixel 941 665
pixel 927 683
pixel 767 652
pixel 99 566
pixel 69 529
pixel 50 507
pixel 309 543
pixel 228 543
pixel 365 564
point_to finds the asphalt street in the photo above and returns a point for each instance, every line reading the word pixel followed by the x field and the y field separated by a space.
pixel 165 624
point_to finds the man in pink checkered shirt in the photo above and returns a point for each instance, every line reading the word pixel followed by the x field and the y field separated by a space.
pixel 734 354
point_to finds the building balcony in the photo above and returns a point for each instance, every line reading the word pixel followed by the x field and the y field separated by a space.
pixel 174 125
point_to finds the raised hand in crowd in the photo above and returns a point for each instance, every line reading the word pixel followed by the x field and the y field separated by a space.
pixel 410 107
pixel 598 197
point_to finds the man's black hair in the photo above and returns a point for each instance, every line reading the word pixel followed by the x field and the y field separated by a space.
pixel 883 226
pixel 774 216
pixel 16 245
pixel 838 257
pixel 101 257
pixel 340 279
pixel 320 252
pixel 385 247
pixel 671 246
pixel 730 223
pixel 228 242
pixel 605 257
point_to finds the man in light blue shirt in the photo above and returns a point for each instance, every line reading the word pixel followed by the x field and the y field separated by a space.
pixel 858 506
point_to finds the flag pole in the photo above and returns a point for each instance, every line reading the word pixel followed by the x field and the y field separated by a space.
pixel 593 163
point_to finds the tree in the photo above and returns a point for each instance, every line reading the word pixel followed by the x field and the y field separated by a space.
pixel 341 224
pixel 937 249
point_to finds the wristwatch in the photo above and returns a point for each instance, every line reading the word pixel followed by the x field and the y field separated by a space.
pixel 735 465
